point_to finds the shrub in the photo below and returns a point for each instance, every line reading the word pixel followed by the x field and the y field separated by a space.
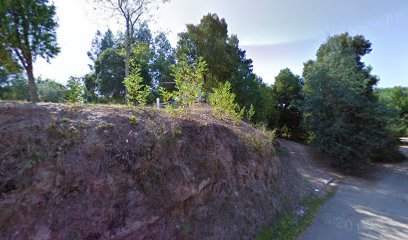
pixel 189 80
pixel 74 90
pixel 136 92
pixel 223 102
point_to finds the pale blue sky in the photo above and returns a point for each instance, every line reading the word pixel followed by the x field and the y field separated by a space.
pixel 276 34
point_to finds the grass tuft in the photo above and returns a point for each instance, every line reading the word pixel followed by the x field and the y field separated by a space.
pixel 290 226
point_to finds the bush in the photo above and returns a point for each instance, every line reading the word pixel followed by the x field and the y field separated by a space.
pixel 74 90
pixel 136 92
pixel 223 101
pixel 189 80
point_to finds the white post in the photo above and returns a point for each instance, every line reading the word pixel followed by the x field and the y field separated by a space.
pixel 158 102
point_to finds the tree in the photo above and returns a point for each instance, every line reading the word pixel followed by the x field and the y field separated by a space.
pixel 223 101
pixel 209 40
pixel 226 61
pixel 100 43
pixel 27 31
pixel 340 108
pixel 51 91
pixel 136 92
pixel 189 80
pixel 74 90
pixel 396 98
pixel 15 88
pixel 131 11
pixel 142 53
pixel 163 57
pixel 105 82
pixel 110 72
pixel 287 91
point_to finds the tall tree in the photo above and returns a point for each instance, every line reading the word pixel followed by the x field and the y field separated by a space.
pixel 27 31
pixel 50 90
pixel 163 57
pixel 209 39
pixel 340 108
pixel 226 61
pixel 287 91
pixel 100 43
pixel 132 12
pixel 110 72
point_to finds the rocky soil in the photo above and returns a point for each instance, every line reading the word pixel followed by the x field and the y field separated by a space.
pixel 98 172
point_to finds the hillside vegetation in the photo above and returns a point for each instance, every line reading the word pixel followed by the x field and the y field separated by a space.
pixel 97 172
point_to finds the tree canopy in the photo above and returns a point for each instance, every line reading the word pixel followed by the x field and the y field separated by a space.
pixel 23 38
pixel 287 91
pixel 342 113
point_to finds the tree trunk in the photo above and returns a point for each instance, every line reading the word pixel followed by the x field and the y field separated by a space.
pixel 127 57
pixel 31 84
pixel 128 46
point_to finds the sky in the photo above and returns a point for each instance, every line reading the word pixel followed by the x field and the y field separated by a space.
pixel 275 34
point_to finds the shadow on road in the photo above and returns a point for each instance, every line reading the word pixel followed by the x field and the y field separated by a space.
pixel 366 208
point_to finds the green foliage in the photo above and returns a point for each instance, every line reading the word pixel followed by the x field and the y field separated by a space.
pixel 23 38
pixel 66 120
pixel 251 112
pixel 110 72
pixel 178 133
pixel 208 40
pixel 74 90
pixel 290 226
pixel 100 43
pixel 223 102
pixel 396 98
pixel 153 56
pixel 133 120
pixel 226 62
pixel 15 88
pixel 165 95
pixel 163 57
pixel 51 91
pixel 340 108
pixel 288 96
pixel 189 81
pixel 136 92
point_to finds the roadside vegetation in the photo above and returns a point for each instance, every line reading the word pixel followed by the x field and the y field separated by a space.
pixel 334 106
pixel 291 225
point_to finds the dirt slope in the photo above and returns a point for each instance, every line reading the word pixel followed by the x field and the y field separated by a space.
pixel 119 173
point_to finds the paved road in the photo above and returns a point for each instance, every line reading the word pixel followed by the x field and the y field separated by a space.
pixel 366 209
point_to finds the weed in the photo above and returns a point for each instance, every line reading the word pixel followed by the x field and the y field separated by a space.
pixel 178 133
pixel 33 159
pixel 291 226
pixel 256 144
pixel 105 126
pixel 264 129
pixel 54 131
pixel 66 120
pixel 133 120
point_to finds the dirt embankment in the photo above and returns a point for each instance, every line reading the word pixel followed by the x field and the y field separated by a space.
pixel 117 173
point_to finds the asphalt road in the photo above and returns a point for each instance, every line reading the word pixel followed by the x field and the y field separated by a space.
pixel 375 208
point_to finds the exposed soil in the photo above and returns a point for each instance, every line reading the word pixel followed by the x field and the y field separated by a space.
pixel 93 172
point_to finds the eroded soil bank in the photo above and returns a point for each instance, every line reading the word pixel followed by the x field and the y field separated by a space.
pixel 97 172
